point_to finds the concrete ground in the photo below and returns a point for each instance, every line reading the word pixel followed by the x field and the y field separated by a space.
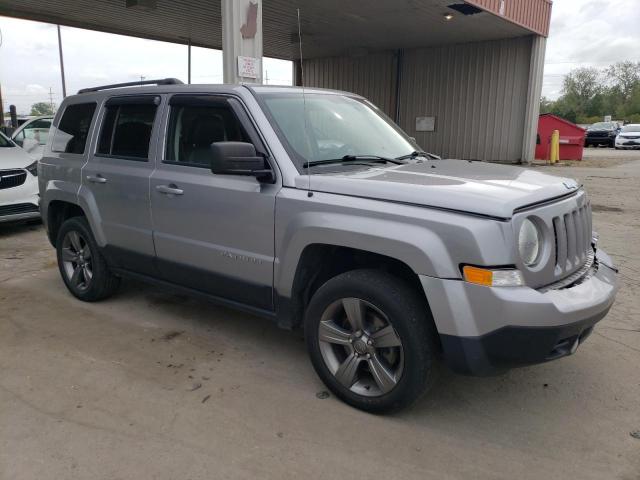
pixel 153 385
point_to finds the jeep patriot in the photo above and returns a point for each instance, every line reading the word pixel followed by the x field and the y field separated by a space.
pixel 312 208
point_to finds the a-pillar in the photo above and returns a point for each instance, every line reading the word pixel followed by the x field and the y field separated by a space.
pixel 242 41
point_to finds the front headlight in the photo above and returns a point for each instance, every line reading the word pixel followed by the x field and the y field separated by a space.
pixel 33 169
pixel 529 243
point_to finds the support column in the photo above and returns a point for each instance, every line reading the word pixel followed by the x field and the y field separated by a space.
pixel 242 41
pixel 64 82
pixel 536 78
pixel 189 63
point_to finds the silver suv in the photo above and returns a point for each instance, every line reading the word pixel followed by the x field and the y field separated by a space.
pixel 313 209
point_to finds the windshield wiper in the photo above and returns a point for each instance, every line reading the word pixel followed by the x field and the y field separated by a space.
pixel 419 153
pixel 353 158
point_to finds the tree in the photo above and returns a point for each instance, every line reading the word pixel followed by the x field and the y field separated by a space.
pixel 591 93
pixel 41 108
pixel 581 87
pixel 625 77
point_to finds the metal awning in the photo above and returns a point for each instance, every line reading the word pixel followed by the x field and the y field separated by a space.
pixel 330 27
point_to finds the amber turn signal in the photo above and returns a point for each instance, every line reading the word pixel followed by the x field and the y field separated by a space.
pixel 479 276
pixel 493 278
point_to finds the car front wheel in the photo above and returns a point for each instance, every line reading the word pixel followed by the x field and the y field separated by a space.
pixel 371 340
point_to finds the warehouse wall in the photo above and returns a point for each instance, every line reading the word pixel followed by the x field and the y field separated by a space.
pixel 373 76
pixel 477 93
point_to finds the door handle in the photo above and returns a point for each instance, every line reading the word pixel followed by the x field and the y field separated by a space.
pixel 169 189
pixel 97 179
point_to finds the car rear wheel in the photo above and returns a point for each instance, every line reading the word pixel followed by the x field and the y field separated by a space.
pixel 82 266
pixel 371 340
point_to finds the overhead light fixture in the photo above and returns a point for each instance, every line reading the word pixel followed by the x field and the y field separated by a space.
pixel 142 5
pixel 448 17
pixel 465 8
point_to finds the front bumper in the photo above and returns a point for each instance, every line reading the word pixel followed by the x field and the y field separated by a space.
pixel 599 139
pixel 21 202
pixel 627 144
pixel 484 331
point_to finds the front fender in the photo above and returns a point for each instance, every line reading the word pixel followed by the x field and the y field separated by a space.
pixel 430 242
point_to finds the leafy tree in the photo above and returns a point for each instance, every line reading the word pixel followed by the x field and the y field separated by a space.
pixel 591 93
pixel 625 77
pixel 41 108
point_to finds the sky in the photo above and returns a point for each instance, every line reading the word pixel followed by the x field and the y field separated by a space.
pixel 30 66
pixel 590 33
pixel 583 33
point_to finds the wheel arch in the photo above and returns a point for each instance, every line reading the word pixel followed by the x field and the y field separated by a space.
pixel 319 262
pixel 58 211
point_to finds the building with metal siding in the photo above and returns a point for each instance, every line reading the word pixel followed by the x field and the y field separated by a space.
pixel 472 66
pixel 477 93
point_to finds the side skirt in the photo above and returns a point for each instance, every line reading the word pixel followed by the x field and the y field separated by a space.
pixel 197 293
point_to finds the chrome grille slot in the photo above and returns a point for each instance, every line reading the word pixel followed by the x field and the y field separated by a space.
pixel 12 178
pixel 572 239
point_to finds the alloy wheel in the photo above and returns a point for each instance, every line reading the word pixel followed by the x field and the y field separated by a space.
pixel 360 347
pixel 76 260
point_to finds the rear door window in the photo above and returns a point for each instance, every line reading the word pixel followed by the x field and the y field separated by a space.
pixel 73 130
pixel 127 127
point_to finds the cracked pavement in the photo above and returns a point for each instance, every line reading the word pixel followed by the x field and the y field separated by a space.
pixel 151 384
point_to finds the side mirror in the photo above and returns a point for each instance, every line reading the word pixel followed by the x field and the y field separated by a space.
pixel 238 158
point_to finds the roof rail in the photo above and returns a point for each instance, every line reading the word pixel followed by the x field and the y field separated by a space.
pixel 162 81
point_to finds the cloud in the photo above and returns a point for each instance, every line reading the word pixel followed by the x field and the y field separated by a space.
pixel 593 33
pixel 29 63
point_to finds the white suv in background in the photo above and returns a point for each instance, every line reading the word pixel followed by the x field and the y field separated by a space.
pixel 32 136
pixel 19 199
pixel 629 137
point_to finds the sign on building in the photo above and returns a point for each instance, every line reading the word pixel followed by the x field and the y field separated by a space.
pixel 249 67
pixel 425 124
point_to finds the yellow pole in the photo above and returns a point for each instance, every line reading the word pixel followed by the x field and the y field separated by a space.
pixel 555 146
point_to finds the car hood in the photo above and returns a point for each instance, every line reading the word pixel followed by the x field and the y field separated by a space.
pixel 14 157
pixel 629 134
pixel 473 187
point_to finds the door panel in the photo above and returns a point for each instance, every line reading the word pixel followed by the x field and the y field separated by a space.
pixel 212 233
pixel 118 178
pixel 217 236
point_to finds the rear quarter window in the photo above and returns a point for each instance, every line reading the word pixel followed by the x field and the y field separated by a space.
pixel 73 129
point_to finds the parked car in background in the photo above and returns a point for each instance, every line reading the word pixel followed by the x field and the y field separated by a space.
pixel 629 137
pixel 19 199
pixel 602 133
pixel 32 136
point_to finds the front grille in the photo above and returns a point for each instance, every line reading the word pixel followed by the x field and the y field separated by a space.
pixel 573 235
pixel 12 178
pixel 18 208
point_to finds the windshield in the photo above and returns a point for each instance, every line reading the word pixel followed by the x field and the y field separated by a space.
pixel 4 141
pixel 602 126
pixel 334 126
pixel 631 128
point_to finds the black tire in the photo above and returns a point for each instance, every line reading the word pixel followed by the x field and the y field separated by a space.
pixel 410 318
pixel 103 283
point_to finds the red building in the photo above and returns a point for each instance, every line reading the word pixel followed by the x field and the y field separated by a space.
pixel 571 138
